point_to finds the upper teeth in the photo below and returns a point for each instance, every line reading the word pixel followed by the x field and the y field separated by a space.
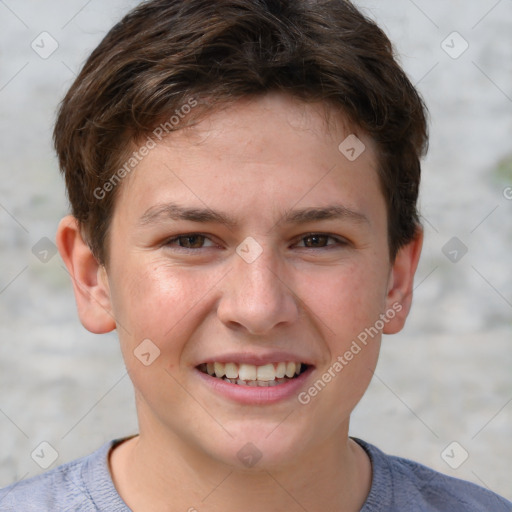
pixel 267 372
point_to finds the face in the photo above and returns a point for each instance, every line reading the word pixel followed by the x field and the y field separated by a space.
pixel 244 245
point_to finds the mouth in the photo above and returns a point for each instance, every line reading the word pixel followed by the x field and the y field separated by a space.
pixel 268 375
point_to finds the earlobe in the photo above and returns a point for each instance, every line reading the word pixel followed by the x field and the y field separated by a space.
pixel 401 281
pixel 90 282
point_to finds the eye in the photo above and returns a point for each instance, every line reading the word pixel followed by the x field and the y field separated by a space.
pixel 188 241
pixel 194 241
pixel 320 241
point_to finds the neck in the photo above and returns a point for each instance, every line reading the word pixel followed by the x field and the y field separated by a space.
pixel 154 472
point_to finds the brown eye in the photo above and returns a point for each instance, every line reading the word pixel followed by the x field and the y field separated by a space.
pixel 316 240
pixel 188 241
pixel 319 241
pixel 192 241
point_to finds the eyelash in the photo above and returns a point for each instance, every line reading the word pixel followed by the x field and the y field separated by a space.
pixel 339 241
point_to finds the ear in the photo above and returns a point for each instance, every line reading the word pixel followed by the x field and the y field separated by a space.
pixel 401 280
pixel 90 281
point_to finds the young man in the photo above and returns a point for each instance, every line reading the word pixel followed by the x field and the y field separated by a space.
pixel 243 178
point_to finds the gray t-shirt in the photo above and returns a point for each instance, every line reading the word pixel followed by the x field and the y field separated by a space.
pixel 85 485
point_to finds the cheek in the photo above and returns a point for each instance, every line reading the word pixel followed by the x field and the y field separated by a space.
pixel 158 301
pixel 345 299
pixel 163 304
pixel 345 303
pixel 167 304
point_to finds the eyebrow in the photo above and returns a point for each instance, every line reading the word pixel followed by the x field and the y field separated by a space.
pixel 176 212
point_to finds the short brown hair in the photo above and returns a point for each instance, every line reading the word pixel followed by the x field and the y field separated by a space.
pixel 165 52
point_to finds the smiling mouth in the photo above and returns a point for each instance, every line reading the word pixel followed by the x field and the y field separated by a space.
pixel 267 375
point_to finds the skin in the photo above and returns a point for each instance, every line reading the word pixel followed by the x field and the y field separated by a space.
pixel 255 160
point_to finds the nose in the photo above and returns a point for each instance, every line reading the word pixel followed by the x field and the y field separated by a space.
pixel 256 296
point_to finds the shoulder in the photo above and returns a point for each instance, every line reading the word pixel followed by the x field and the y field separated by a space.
pixel 58 489
pixel 402 484
pixel 82 485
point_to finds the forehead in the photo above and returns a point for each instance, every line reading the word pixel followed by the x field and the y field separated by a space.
pixel 246 127
pixel 271 152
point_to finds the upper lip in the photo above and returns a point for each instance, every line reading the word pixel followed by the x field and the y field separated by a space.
pixel 257 359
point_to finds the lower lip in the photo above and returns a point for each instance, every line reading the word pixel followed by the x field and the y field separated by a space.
pixel 255 395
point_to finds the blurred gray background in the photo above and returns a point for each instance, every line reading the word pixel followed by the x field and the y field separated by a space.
pixel 446 378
